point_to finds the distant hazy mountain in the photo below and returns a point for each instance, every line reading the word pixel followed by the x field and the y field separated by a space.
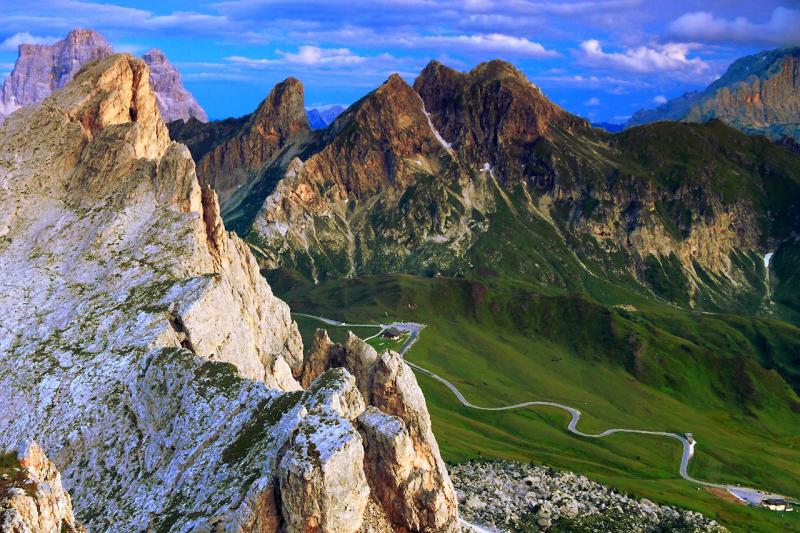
pixel 41 69
pixel 758 94
pixel 174 101
pixel 320 118
pixel 610 127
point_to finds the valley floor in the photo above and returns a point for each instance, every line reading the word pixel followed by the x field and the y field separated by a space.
pixel 704 501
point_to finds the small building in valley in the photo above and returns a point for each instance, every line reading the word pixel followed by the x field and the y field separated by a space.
pixel 776 504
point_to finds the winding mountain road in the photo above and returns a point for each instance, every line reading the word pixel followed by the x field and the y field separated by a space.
pixel 413 329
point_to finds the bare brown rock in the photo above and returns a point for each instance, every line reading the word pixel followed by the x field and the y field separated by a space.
pixel 491 115
pixel 382 148
pixel 279 120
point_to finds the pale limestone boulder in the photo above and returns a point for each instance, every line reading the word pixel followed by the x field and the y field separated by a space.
pixel 390 465
pixel 322 481
pixel 404 467
pixel 32 498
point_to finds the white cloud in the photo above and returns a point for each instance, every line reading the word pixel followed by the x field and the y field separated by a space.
pixel 314 55
pixel 12 43
pixel 593 101
pixel 310 56
pixel 611 84
pixel 782 28
pixel 670 57
pixel 660 99
pixel 491 42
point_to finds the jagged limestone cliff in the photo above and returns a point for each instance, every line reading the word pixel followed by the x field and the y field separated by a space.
pixel 145 353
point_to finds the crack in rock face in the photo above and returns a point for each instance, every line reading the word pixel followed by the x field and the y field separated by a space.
pixel 149 358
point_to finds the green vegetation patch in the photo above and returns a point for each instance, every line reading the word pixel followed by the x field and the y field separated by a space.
pixel 256 429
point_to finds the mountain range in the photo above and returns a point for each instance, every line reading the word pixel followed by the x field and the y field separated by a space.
pixel 42 69
pixel 438 178
pixel 319 118
pixel 515 229
pixel 149 360
pixel 758 94
pixel 648 276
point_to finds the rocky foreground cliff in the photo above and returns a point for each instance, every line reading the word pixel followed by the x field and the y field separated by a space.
pixel 32 498
pixel 42 69
pixel 148 357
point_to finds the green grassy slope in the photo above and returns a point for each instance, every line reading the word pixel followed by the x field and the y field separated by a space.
pixel 648 366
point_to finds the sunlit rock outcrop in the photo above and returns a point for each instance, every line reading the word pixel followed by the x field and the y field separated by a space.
pixel 162 371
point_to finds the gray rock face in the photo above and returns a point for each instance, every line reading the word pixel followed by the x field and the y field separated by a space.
pixel 174 101
pixel 42 69
pixel 403 466
pixel 144 351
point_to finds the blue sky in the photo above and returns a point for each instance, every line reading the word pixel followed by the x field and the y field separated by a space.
pixel 602 59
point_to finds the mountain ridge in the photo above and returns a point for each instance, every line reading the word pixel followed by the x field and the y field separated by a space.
pixel 758 94
pixel 501 145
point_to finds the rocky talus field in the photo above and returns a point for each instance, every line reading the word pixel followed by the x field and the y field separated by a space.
pixel 147 356
pixel 519 497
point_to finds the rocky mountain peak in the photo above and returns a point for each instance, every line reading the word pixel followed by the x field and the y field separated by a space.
pixel 174 101
pixel 153 56
pixel 86 38
pixel 383 146
pixel 376 135
pixel 252 142
pixel 393 105
pixel 757 94
pixel 282 112
pixel 493 114
pixel 497 69
pixel 42 69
